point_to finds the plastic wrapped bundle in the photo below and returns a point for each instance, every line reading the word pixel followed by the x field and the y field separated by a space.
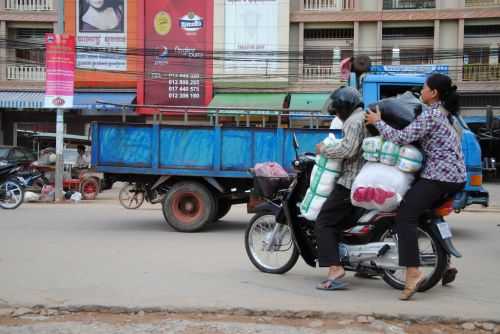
pixel 410 159
pixel 372 147
pixel 390 153
pixel 398 112
pixel 323 178
pixel 380 187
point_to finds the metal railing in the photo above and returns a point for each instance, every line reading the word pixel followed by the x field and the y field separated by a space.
pixel 409 4
pixel 329 4
pixel 482 3
pixel 25 72
pixel 481 72
pixel 321 72
pixel 29 5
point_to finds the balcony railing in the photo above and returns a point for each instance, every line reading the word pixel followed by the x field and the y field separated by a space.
pixel 409 4
pixel 321 72
pixel 329 4
pixel 29 5
pixel 481 72
pixel 482 3
pixel 25 72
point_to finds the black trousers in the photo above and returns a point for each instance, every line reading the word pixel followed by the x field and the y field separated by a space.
pixel 333 219
pixel 422 196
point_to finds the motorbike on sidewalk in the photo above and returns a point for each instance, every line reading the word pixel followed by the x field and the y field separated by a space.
pixel 11 191
pixel 277 235
pixel 32 181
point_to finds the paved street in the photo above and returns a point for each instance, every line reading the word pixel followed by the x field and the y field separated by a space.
pixel 101 254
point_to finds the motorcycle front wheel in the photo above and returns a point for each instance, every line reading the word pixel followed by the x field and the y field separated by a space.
pixel 11 195
pixel 131 196
pixel 433 258
pixel 270 245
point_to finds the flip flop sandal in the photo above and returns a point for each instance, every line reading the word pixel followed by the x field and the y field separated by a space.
pixel 332 285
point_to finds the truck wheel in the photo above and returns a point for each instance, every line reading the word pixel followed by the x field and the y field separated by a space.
pixel 89 188
pixel 223 207
pixel 189 206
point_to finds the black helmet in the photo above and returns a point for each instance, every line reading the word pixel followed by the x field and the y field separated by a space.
pixel 343 101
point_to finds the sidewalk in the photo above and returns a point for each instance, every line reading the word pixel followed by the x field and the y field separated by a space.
pixel 494 191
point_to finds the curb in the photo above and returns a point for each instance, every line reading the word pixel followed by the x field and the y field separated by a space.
pixel 304 314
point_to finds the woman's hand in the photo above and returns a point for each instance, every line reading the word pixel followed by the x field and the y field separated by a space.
pixel 319 147
pixel 372 117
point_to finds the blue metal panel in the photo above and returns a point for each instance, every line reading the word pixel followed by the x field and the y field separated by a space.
pixel 125 145
pixel 183 147
pixel 265 146
pixel 165 171
pixel 237 149
pixel 307 142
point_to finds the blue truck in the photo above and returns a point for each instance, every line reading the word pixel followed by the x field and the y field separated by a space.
pixel 204 169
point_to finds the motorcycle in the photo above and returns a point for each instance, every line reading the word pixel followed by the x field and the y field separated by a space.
pixel 32 181
pixel 277 235
pixel 11 191
pixel 133 195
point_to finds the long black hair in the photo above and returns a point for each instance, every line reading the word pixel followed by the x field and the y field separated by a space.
pixel 446 90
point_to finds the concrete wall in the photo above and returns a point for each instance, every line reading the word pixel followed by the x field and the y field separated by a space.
pixel 368 36
pixel 368 5
pixel 443 4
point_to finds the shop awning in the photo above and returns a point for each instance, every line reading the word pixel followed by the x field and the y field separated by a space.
pixel 87 101
pixel 22 100
pixel 308 101
pixel 248 100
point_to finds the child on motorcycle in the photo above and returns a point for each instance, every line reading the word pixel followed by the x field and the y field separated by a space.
pixel 345 103
pixel 443 174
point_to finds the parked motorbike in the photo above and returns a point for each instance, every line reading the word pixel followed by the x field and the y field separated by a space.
pixel 277 235
pixel 32 181
pixel 11 192
pixel 133 195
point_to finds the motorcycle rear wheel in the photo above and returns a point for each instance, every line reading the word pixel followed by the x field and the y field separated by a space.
pixel 268 258
pixel 433 250
pixel 12 195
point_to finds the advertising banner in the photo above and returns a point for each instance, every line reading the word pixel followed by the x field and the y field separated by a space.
pixel 252 34
pixel 101 34
pixel 178 62
pixel 60 72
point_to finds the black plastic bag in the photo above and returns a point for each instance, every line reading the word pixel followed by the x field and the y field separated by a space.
pixel 398 112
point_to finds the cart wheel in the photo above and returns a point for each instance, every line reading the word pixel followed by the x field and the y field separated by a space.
pixel 223 207
pixel 89 189
pixel 189 206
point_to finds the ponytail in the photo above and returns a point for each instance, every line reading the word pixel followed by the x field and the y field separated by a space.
pixel 447 92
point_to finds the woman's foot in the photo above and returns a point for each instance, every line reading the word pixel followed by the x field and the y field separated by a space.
pixel 414 278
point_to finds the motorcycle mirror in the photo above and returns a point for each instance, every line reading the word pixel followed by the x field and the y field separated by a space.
pixel 295 145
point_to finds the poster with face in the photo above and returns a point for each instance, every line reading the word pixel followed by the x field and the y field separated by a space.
pixel 101 34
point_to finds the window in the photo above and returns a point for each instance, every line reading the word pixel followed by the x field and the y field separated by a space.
pixel 482 31
pixel 407 32
pixel 29 45
pixel 407 56
pixel 476 55
pixel 326 57
pixel 339 33
pixel 393 90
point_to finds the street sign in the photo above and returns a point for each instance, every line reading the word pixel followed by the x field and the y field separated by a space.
pixel 60 83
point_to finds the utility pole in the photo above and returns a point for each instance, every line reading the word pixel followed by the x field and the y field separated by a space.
pixel 59 196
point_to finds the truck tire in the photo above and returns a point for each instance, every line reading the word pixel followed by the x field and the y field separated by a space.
pixel 189 206
pixel 223 207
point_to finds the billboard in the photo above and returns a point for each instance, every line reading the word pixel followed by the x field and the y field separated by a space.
pixel 60 72
pixel 101 24
pixel 178 39
pixel 251 34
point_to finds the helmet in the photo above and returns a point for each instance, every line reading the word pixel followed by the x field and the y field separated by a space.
pixel 343 101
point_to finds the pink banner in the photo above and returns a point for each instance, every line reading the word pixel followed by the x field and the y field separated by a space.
pixel 60 60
